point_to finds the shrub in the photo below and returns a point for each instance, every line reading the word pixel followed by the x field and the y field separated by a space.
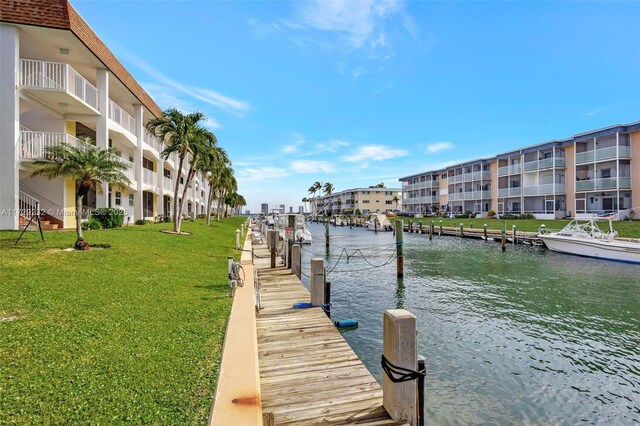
pixel 109 217
pixel 527 216
pixel 491 213
pixel 90 224
pixel 142 222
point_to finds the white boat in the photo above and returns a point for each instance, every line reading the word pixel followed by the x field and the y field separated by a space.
pixel 584 238
pixel 300 232
pixel 378 222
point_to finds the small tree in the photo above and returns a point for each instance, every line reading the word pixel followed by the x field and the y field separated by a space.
pixel 88 166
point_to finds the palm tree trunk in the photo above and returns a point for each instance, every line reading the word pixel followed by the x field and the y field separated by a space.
pixel 79 237
pixel 176 204
pixel 222 196
pixel 184 195
pixel 209 202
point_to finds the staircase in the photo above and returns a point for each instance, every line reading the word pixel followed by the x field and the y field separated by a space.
pixel 29 206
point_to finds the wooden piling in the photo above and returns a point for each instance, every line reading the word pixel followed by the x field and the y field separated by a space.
pixel 317 281
pixel 296 259
pixel 399 248
pixel 485 231
pixel 462 230
pixel 504 236
pixel 400 349
pixel 272 243
pixel 440 227
pixel 431 230
pixel 327 298
pixel 326 235
pixel 513 233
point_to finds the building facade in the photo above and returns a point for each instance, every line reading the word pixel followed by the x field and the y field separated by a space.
pixel 365 200
pixel 59 83
pixel 587 175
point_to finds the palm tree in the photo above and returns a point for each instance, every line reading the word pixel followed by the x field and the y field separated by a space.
pixel 211 163
pixel 88 166
pixel 183 134
pixel 228 185
pixel 396 200
pixel 305 200
pixel 317 186
pixel 328 190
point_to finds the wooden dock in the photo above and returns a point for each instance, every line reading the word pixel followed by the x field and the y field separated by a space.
pixel 308 372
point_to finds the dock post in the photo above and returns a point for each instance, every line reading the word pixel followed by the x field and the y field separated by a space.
pixel 485 231
pixel 441 227
pixel 375 225
pixel 327 298
pixel 420 230
pixel 400 349
pixel 504 236
pixel 317 281
pixel 462 230
pixel 513 232
pixel 290 234
pixel 409 227
pixel 431 230
pixel 272 243
pixel 399 248
pixel 326 235
pixel 296 260
pixel 237 239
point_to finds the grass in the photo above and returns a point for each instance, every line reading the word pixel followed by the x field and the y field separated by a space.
pixel 128 334
pixel 626 229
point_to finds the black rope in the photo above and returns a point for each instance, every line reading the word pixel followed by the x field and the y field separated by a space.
pixel 399 374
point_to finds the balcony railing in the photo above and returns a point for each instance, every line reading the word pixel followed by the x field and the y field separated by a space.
pixel 603 154
pixel 149 177
pixel 513 169
pixel 477 195
pixel 543 189
pixel 456 196
pixel 600 184
pixel 120 116
pixel 33 144
pixel 152 141
pixel 130 171
pixel 509 192
pixel 168 184
pixel 545 163
pixel 57 76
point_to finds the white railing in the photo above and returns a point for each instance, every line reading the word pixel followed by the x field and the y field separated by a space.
pixel 168 184
pixel 477 195
pixel 152 141
pixel 599 184
pixel 33 144
pixel 624 183
pixel 509 192
pixel 57 76
pixel 456 196
pixel 603 154
pixel 27 205
pixel 150 177
pixel 130 171
pixel 122 117
pixel 513 169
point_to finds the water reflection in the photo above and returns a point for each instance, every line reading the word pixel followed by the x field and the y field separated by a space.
pixel 524 336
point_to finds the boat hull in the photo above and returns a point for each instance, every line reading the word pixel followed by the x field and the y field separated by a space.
pixel 609 250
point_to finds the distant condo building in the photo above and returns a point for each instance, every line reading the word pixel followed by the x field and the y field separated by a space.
pixel 300 209
pixel 589 174
pixel 264 208
pixel 60 83
pixel 365 200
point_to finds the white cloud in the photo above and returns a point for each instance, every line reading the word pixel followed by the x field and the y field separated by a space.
pixel 312 166
pixel 261 173
pixel 208 96
pixel 374 153
pixel 288 149
pixel 332 145
pixel 360 23
pixel 438 147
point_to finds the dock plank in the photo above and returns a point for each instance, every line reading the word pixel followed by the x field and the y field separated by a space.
pixel 308 373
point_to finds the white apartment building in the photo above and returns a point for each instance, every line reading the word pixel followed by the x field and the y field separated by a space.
pixel 366 200
pixel 58 83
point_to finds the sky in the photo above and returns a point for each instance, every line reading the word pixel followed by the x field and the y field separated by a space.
pixel 361 92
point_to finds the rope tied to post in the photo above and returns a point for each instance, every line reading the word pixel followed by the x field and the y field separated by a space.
pixel 400 374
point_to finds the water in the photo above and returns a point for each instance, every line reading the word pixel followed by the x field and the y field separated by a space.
pixel 526 336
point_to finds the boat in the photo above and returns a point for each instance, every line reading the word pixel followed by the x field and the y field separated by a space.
pixel 378 222
pixel 584 238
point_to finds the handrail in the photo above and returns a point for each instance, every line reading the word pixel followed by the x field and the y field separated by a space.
pixel 22 185
pixel 122 117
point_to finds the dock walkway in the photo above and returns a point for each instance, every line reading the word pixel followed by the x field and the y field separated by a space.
pixel 308 372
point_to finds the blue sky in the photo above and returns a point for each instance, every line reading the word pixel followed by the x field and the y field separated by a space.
pixel 356 93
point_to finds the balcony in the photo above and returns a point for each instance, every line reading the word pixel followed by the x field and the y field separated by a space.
pixel 477 195
pixel 509 192
pixel 456 196
pixel 156 146
pixel 168 185
pixel 130 171
pixel 543 189
pixel 59 86
pixel 600 184
pixel 121 117
pixel 603 154
pixel 513 169
pixel 150 178
pixel 33 144
pixel 545 163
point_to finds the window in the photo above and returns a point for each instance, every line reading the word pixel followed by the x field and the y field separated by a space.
pixel 365 192
pixel 131 199
pixel 147 164
pixel 181 180
pixel 388 193
pixel 365 201
pixel 605 173
pixel 388 202
pixel 377 201
pixel 131 159
pixel 167 173
pixel 118 198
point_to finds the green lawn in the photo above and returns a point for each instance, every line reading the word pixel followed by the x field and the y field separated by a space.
pixel 128 334
pixel 625 228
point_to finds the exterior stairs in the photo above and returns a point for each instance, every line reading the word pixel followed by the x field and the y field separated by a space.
pixel 28 206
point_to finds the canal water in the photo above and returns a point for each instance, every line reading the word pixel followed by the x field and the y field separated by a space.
pixel 525 336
